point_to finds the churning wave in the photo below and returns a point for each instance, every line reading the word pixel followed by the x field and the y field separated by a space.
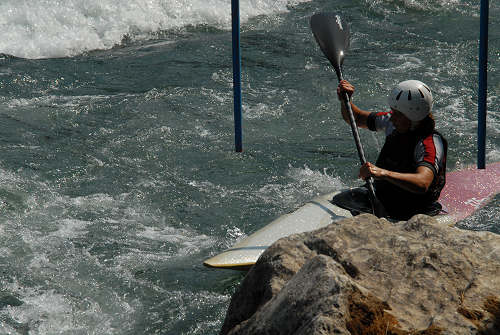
pixel 62 28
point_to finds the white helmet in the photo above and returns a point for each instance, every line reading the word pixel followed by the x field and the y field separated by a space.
pixel 412 98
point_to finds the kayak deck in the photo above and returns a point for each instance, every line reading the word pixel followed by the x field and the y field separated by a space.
pixel 465 192
pixel 315 214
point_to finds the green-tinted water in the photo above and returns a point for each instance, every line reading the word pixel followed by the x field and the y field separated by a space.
pixel 117 171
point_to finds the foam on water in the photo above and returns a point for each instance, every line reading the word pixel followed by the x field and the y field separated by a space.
pixel 403 63
pixel 186 242
pixel 62 253
pixel 389 6
pixel 180 306
pixel 59 28
pixel 48 312
pixel 55 101
pixel 319 181
pixel 305 184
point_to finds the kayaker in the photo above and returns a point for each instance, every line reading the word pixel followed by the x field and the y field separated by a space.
pixel 410 171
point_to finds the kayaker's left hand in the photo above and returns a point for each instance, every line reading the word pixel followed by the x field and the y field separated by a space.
pixel 370 170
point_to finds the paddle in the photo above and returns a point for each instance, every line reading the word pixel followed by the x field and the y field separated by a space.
pixel 332 35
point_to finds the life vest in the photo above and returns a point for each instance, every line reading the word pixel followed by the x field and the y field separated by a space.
pixel 404 153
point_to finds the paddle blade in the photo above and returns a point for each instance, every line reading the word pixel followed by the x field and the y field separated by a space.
pixel 332 35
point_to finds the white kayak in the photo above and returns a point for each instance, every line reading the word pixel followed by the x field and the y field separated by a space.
pixel 315 214
pixel 465 191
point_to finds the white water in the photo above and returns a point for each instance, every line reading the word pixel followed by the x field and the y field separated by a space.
pixel 60 28
pixel 116 185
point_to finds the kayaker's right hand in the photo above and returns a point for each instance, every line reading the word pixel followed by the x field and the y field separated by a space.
pixel 368 170
pixel 344 87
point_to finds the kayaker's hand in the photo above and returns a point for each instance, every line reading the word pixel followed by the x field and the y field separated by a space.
pixel 344 87
pixel 370 170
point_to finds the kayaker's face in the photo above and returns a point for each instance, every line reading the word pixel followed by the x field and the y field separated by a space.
pixel 400 122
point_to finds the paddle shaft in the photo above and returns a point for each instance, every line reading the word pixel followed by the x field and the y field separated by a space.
pixel 332 36
pixel 357 140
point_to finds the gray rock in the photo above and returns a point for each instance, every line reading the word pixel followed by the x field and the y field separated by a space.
pixel 370 276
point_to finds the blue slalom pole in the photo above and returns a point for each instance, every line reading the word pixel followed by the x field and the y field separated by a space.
pixel 483 85
pixel 238 134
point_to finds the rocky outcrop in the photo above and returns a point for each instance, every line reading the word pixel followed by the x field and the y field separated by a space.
pixel 365 275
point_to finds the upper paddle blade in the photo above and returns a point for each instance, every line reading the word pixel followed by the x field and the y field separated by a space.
pixel 332 35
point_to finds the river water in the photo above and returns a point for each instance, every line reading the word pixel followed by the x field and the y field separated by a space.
pixel 118 175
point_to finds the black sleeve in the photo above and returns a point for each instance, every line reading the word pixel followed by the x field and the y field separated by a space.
pixel 370 123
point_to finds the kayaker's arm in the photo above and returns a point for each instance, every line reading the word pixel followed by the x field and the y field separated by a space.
pixel 360 116
pixel 418 182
